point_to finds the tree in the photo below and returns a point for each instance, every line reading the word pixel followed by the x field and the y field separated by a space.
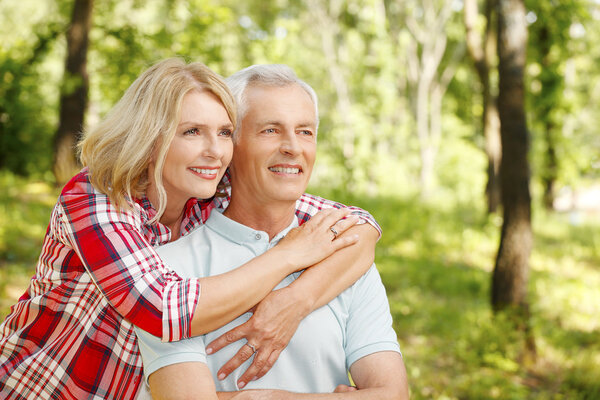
pixel 482 52
pixel 19 129
pixel 428 76
pixel 327 16
pixel 74 92
pixel 550 49
pixel 511 272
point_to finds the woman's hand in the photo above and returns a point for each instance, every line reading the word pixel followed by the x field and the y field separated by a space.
pixel 276 317
pixel 269 330
pixel 317 239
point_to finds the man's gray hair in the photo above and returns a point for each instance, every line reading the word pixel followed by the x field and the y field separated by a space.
pixel 275 75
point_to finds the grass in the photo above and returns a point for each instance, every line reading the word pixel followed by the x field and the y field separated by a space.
pixel 436 263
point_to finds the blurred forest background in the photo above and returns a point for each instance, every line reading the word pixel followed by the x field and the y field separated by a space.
pixel 411 98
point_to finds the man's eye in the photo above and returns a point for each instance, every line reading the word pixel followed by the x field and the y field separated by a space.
pixel 192 131
pixel 306 133
pixel 270 130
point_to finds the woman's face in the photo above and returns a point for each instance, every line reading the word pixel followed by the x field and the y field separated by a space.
pixel 200 151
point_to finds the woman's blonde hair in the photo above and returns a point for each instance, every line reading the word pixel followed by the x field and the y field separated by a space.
pixel 118 151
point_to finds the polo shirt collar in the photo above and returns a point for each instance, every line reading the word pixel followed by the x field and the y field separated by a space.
pixel 242 234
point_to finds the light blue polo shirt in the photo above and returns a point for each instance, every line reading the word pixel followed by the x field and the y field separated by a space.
pixel 328 341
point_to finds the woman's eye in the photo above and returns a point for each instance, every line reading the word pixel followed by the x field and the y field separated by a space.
pixel 192 131
pixel 226 133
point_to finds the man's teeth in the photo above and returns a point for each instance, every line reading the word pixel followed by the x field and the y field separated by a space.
pixel 204 171
pixel 285 170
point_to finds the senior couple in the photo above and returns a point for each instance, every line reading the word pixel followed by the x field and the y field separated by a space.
pixel 144 267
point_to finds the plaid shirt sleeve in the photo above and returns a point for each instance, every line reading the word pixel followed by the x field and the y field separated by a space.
pixel 124 265
pixel 308 205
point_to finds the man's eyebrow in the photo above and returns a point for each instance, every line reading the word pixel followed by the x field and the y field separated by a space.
pixel 270 122
pixel 310 124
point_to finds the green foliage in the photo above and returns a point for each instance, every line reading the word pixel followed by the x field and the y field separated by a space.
pixel 560 42
pixel 28 88
pixel 25 207
pixel 360 143
pixel 436 262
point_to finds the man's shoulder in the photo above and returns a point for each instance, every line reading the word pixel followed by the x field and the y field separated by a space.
pixel 369 283
pixel 370 279
pixel 182 254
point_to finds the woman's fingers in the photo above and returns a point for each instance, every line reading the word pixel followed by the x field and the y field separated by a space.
pixel 243 354
pixel 332 222
pixel 317 238
pixel 270 362
pixel 260 362
pixel 237 333
pixel 343 225
pixel 327 217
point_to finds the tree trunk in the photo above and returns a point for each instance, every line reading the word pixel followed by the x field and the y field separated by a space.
pixel 511 272
pixel 482 53
pixel 428 29
pixel 550 174
pixel 551 81
pixel 74 93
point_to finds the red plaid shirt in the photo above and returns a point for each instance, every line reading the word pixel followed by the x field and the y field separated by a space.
pixel 71 334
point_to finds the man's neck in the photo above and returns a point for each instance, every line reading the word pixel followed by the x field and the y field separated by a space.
pixel 271 218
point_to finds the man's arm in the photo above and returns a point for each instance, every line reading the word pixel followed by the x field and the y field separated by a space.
pixel 378 376
pixel 188 380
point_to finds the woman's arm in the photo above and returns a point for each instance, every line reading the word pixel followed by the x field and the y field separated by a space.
pixel 319 285
pixel 115 251
pixel 226 296
pixel 276 318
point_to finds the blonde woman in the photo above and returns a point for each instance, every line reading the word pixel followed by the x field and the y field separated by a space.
pixel 162 149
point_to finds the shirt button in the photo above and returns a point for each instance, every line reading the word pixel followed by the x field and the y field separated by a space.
pixel 258 236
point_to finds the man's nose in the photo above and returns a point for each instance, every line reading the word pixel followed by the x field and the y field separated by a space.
pixel 289 143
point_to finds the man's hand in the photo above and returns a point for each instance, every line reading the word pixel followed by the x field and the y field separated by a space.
pixel 344 389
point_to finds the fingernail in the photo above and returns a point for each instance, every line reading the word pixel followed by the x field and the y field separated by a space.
pixel 241 384
pixel 221 376
pixel 209 350
pixel 255 378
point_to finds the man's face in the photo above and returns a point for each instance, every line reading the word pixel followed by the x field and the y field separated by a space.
pixel 276 146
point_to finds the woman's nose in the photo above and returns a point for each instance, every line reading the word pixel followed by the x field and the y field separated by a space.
pixel 212 147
